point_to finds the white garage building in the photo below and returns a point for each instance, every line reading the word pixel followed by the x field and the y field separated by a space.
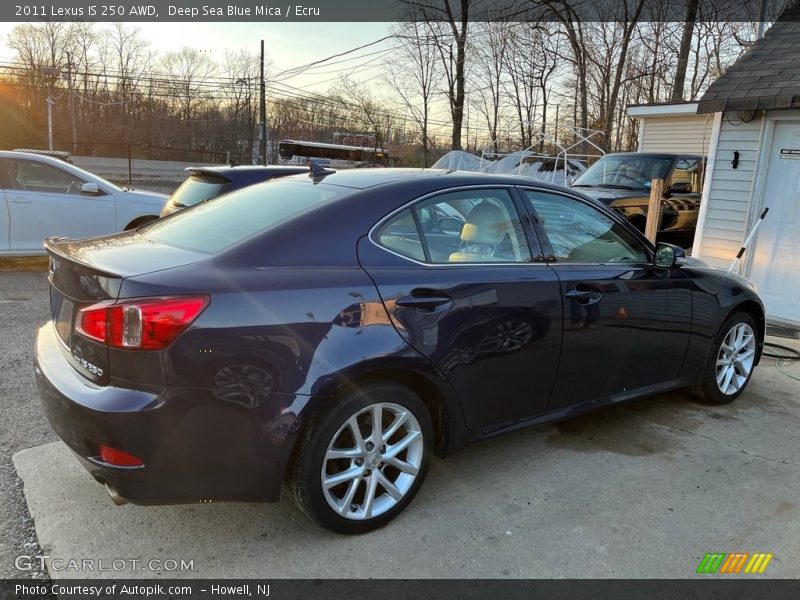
pixel 754 162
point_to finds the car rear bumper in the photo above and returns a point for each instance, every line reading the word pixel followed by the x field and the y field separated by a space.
pixel 196 444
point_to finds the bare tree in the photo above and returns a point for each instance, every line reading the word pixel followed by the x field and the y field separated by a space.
pixel 448 31
pixel 413 75
pixel 189 72
pixel 683 52
pixel 490 44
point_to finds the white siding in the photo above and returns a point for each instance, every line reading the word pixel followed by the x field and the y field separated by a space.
pixel 685 134
pixel 729 195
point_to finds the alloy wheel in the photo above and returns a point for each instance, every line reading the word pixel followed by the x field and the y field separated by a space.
pixel 372 461
pixel 735 358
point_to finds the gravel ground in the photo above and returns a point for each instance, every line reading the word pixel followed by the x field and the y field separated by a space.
pixel 23 306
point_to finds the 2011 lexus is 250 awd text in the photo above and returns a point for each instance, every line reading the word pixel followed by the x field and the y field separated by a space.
pixel 331 332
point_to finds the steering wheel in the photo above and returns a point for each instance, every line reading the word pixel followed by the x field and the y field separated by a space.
pixel 69 188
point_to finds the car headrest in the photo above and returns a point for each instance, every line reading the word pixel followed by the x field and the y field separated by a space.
pixel 486 224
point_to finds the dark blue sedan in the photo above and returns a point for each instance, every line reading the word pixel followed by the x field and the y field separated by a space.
pixel 334 330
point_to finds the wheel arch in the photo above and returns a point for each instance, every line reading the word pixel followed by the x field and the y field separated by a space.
pixel 434 391
pixel 139 221
pixel 756 311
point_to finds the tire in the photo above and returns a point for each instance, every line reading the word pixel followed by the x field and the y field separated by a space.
pixel 731 360
pixel 362 466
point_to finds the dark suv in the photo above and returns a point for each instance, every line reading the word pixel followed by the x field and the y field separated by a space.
pixel 623 180
pixel 205 183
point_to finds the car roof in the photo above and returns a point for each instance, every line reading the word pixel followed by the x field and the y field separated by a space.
pixel 365 178
pixel 32 156
pixel 60 154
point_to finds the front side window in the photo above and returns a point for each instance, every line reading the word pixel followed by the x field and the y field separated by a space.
pixel 579 233
pixel 34 176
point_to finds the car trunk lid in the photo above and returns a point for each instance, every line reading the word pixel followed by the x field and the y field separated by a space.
pixel 83 273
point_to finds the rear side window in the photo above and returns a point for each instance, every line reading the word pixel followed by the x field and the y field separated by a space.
pixel 215 226
pixel 400 235
pixel 467 226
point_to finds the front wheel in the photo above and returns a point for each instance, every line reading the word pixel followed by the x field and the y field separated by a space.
pixel 732 360
pixel 363 458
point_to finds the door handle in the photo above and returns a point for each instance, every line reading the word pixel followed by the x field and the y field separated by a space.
pixel 584 296
pixel 18 200
pixel 424 299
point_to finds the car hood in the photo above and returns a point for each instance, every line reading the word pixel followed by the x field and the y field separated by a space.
pixel 609 195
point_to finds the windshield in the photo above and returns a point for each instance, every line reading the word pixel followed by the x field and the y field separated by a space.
pixel 197 189
pixel 629 171
pixel 214 226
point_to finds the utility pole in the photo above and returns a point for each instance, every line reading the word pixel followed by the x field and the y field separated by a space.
pixel 50 103
pixel 71 105
pixel 262 128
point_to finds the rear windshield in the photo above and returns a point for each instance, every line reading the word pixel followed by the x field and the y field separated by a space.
pixel 215 226
pixel 197 189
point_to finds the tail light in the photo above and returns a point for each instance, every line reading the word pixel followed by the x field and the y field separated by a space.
pixel 141 324
pixel 118 458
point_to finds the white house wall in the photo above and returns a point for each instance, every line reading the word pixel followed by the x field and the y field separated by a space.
pixel 684 134
pixel 728 202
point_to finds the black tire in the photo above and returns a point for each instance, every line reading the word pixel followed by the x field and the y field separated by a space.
pixel 708 389
pixel 305 477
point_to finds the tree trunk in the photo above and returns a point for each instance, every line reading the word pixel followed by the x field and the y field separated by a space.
pixel 683 52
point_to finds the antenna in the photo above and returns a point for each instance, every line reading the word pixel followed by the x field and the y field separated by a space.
pixel 318 171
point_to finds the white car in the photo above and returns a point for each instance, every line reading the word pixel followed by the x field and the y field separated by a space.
pixel 42 196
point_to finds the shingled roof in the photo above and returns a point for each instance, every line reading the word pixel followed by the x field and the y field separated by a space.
pixel 766 77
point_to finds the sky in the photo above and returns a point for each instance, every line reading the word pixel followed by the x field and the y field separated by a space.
pixel 287 44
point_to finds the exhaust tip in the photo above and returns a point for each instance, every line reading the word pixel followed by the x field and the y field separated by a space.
pixel 115 497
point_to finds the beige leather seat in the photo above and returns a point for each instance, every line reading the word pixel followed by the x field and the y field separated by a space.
pixel 485 228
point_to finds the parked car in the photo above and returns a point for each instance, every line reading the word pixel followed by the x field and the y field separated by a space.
pixel 45 196
pixel 318 331
pixel 206 183
pixel 623 180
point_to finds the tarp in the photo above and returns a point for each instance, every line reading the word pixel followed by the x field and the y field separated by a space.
pixel 543 168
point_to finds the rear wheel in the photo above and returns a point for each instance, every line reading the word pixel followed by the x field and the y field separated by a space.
pixel 732 360
pixel 362 459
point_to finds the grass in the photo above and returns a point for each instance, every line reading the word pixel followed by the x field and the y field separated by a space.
pixel 23 263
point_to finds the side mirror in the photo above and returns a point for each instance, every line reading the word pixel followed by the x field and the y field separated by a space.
pixel 90 189
pixel 680 187
pixel 668 256
pixel 451 226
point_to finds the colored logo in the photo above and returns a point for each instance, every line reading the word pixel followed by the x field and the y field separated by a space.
pixel 734 562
